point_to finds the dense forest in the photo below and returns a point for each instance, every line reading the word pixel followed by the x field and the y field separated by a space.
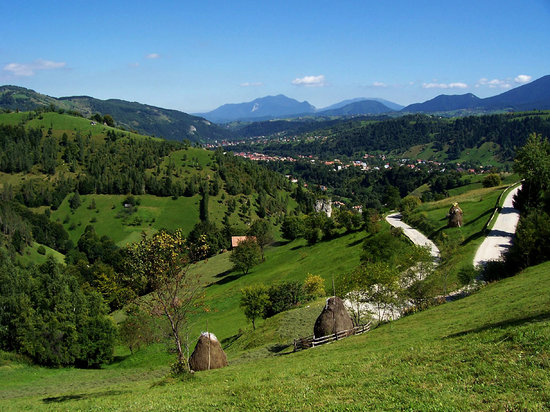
pixel 353 137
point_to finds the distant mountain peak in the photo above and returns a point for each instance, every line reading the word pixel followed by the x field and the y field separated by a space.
pixel 262 108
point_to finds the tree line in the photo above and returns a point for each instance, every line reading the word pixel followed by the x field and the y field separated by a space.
pixel 355 136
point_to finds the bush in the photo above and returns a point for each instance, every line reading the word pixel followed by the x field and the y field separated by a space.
pixel 41 250
pixel 409 203
pixel 314 286
pixel 283 297
pixel 491 180
pixel 467 274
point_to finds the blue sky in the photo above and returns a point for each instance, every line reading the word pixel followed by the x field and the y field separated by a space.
pixel 196 55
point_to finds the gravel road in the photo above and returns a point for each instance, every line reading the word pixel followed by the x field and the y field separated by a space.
pixel 499 239
pixel 416 237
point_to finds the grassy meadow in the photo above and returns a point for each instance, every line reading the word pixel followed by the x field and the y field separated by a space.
pixel 489 351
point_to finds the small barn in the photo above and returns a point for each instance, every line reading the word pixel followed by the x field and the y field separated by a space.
pixel 208 354
pixel 236 240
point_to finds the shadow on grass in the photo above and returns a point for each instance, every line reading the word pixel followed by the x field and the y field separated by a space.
pixel 356 242
pixel 487 212
pixel 503 324
pixel 280 243
pixel 76 396
pixel 227 342
pixel 278 347
pixel 227 279
pixel 474 236
pixel 224 274
pixel 118 359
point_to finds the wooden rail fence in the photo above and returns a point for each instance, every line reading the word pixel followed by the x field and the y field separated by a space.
pixel 312 341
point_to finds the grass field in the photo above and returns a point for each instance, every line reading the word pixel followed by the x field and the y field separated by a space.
pixel 61 123
pixel 489 351
pixel 289 261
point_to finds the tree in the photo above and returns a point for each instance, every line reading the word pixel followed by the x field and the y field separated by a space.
pixel 164 260
pixel 203 207
pixel 254 300
pixel 246 255
pixel 108 119
pixel 292 227
pixel 47 315
pixel 75 202
pixel 532 163
pixel 261 230
pixel 491 180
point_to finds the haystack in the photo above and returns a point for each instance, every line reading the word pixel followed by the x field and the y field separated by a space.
pixel 334 318
pixel 455 216
pixel 208 354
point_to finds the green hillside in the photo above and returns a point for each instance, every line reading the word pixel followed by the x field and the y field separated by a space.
pixel 486 352
pixel 150 120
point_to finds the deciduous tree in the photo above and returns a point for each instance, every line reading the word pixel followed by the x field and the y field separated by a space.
pixel 164 259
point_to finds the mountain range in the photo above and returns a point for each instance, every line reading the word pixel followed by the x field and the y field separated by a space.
pixel 534 95
pixel 177 125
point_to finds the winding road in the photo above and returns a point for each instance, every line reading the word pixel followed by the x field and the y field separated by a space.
pixel 497 242
pixel 500 238
pixel 414 235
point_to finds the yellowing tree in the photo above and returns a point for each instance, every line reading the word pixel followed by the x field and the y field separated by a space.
pixel 163 260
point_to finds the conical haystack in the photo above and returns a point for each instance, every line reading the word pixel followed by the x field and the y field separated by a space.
pixel 455 216
pixel 334 318
pixel 208 354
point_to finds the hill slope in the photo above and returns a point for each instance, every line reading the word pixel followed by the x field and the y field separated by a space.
pixel 485 352
pixel 150 120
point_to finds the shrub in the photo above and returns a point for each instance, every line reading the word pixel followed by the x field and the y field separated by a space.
pixel 41 250
pixel 283 297
pixel 491 180
pixel 314 286
pixel 467 275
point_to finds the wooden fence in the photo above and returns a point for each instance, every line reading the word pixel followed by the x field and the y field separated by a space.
pixel 312 341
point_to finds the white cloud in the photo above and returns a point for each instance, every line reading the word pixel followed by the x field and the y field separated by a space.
pixel 455 85
pixel 153 56
pixel 379 84
pixel 458 85
pixel 29 69
pixel 311 81
pixel 251 84
pixel 494 83
pixel 522 78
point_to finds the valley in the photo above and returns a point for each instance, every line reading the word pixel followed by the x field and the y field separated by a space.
pixel 78 197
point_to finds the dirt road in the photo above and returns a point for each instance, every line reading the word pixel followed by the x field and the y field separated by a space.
pixel 500 238
pixel 416 237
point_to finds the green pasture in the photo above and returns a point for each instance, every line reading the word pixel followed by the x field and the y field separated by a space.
pixel 287 262
pixel 111 218
pixel 486 352
pixel 31 256
pixel 61 123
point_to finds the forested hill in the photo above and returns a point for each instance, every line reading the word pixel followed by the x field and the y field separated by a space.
pixel 357 136
pixel 145 119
